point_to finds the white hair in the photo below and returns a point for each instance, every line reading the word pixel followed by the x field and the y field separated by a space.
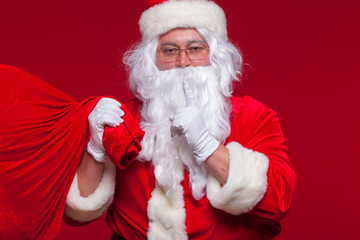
pixel 161 92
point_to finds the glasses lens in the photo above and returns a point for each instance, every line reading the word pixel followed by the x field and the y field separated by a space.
pixel 197 52
pixel 193 52
pixel 169 53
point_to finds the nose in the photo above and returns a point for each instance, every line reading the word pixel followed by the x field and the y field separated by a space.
pixel 183 60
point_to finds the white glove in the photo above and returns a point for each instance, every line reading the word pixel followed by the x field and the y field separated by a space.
pixel 188 121
pixel 106 112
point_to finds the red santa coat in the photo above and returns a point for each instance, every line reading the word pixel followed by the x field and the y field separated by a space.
pixel 257 142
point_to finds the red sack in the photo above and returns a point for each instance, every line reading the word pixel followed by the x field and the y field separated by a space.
pixel 43 132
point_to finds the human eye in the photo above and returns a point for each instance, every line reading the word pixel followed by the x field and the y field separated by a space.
pixel 170 51
pixel 194 49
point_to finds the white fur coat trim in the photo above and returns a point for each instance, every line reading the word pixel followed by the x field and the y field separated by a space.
pixel 166 16
pixel 167 213
pixel 246 183
pixel 85 209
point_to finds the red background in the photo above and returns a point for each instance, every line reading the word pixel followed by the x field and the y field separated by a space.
pixel 301 60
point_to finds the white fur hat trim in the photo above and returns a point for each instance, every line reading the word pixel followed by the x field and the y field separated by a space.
pixel 169 15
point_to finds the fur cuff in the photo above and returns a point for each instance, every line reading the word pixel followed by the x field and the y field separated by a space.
pixel 246 183
pixel 86 209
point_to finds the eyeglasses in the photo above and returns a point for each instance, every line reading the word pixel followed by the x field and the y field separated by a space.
pixel 193 52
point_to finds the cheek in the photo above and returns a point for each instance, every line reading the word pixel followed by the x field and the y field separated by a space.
pixel 200 63
pixel 165 65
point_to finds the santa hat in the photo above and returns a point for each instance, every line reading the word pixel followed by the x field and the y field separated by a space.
pixel 164 16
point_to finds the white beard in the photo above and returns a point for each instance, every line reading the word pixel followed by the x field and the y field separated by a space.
pixel 161 95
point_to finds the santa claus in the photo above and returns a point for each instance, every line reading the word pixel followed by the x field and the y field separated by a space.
pixel 212 166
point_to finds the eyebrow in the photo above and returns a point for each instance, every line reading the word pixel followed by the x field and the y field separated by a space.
pixel 187 43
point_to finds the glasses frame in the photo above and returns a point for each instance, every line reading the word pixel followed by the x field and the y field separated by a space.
pixel 186 50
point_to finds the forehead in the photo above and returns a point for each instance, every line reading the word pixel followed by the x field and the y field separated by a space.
pixel 181 36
